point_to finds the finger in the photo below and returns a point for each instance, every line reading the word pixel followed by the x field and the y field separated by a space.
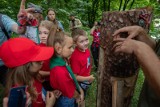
pixel 30 16
pixel 124 29
pixel 51 93
pixel 116 45
pixel 117 49
pixel 119 39
pixel 5 102
pixel 116 36
pixel 22 13
pixel 131 36
pixel 47 95
pixel 22 6
pixel 30 9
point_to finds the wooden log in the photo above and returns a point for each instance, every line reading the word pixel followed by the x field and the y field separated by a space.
pixel 117 65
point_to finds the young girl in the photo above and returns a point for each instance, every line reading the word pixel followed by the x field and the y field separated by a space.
pixel 24 64
pixel 61 76
pixel 45 28
pixel 95 32
pixel 51 16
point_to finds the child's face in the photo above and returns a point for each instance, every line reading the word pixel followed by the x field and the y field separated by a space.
pixel 82 43
pixel 51 15
pixel 67 49
pixel 35 67
pixel 43 34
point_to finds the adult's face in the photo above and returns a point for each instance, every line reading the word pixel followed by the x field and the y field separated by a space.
pixel 51 15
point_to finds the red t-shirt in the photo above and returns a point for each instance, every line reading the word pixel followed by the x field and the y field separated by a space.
pixel 81 62
pixel 61 80
pixel 39 101
pixel 96 38
pixel 46 63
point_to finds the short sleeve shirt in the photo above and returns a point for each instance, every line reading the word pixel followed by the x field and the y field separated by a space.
pixel 8 23
pixel 81 65
pixel 61 80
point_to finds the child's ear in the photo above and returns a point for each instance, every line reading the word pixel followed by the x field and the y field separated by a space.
pixel 58 48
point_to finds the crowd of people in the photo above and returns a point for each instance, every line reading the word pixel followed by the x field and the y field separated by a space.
pixel 55 67
pixel 40 59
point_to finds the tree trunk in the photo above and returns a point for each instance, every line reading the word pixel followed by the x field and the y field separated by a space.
pixel 121 1
pixel 114 69
pixel 132 4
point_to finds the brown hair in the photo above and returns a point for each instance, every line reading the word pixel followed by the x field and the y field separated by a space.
pixel 55 21
pixel 21 76
pixel 51 9
pixel 78 32
pixel 59 37
pixel 47 24
pixel 52 34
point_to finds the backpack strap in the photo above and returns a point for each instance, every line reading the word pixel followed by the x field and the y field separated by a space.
pixel 2 27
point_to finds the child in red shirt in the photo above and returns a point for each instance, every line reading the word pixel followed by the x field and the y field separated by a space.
pixel 95 32
pixel 61 75
pixel 25 63
pixel 44 30
pixel 81 59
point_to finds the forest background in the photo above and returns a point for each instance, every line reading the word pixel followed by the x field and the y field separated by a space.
pixel 89 11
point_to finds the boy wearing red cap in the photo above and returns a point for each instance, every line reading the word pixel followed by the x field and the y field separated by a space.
pixel 25 63
pixel 81 60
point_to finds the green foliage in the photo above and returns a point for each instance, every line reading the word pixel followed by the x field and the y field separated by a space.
pixel 92 92
pixel 137 90
pixel 87 11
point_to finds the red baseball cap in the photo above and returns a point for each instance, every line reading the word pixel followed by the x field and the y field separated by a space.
pixel 18 51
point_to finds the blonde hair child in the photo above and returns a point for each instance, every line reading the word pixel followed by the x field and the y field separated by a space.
pixel 81 65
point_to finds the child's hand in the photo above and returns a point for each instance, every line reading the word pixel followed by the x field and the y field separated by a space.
pixel 29 100
pixel 80 99
pixel 57 93
pixel 91 78
pixel 5 102
pixel 50 99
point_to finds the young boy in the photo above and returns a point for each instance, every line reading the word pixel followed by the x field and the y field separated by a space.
pixel 61 75
pixel 81 59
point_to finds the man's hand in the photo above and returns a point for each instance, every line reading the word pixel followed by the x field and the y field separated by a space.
pixel 133 31
pixel 125 45
pixel 136 32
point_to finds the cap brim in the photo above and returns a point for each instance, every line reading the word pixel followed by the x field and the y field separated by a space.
pixel 44 54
